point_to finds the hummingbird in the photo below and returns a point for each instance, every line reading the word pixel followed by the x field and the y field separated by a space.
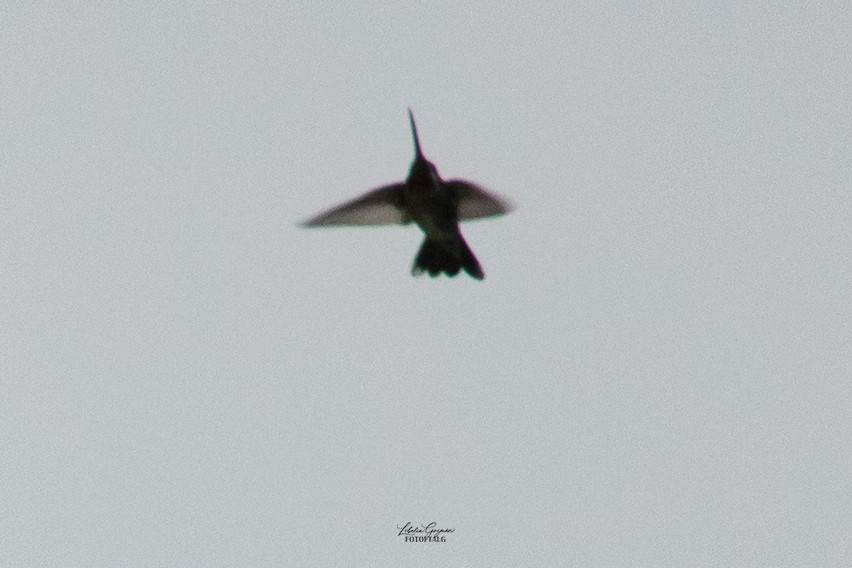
pixel 435 205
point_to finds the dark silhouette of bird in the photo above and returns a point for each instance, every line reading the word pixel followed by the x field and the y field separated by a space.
pixel 434 204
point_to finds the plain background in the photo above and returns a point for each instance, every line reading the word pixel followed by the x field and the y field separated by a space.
pixel 655 371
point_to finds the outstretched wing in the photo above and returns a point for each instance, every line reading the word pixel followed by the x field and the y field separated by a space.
pixel 474 202
pixel 381 206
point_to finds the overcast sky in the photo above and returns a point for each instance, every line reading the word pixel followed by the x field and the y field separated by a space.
pixel 654 372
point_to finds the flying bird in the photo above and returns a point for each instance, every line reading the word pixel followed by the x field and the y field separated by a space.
pixel 436 205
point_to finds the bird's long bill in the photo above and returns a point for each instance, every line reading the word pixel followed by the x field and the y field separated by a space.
pixel 417 153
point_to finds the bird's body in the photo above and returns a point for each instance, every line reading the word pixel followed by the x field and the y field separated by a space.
pixel 435 205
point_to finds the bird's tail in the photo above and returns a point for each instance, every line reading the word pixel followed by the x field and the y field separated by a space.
pixel 448 257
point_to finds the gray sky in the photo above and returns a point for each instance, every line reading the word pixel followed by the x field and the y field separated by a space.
pixel 654 372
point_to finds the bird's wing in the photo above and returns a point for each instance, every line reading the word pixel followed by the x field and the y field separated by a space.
pixel 381 206
pixel 475 202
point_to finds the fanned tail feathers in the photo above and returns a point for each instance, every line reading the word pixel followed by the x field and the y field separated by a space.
pixel 448 257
